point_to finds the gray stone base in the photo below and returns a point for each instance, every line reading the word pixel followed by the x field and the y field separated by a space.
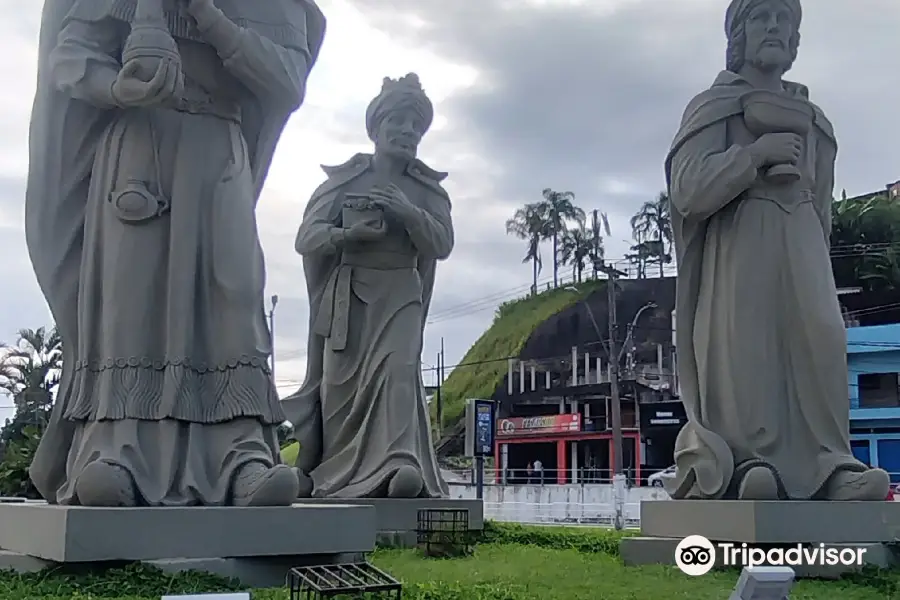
pixel 67 534
pixel 256 573
pixel 397 520
pixel 869 526
pixel 639 551
pixel 773 522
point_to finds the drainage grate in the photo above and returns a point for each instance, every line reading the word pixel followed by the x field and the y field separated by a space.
pixel 349 580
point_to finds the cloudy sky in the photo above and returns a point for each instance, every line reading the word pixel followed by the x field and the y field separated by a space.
pixel 568 94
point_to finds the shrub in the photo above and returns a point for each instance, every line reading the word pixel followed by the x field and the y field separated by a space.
pixel 589 540
pixel 17 457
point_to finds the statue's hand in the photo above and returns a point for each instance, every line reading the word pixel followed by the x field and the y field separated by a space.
pixel 392 200
pixel 197 8
pixel 777 149
pixel 130 91
pixel 368 231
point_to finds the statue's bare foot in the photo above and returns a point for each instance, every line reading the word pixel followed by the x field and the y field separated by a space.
pixel 258 485
pixel 759 483
pixel 872 484
pixel 306 485
pixel 103 483
pixel 407 482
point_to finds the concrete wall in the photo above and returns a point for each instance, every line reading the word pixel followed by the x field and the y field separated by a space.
pixel 589 503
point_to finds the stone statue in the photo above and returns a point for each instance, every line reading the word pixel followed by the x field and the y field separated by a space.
pixel 760 339
pixel 153 127
pixel 371 237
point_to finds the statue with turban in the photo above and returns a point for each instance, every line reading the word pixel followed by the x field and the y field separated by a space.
pixel 370 238
pixel 760 339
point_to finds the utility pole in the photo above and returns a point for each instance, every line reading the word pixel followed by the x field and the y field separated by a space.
pixel 272 330
pixel 613 275
pixel 595 228
pixel 440 400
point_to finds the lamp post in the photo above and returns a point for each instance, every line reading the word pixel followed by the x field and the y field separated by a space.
pixel 274 300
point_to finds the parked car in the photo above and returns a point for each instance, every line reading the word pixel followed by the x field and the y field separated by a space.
pixel 659 479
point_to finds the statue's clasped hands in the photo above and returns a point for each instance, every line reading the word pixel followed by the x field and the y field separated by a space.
pixel 393 201
pixel 131 90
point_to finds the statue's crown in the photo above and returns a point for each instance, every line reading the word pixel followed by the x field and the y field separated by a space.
pixel 409 83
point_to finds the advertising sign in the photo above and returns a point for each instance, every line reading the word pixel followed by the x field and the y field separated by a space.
pixel 484 428
pixel 479 428
pixel 663 414
pixel 517 426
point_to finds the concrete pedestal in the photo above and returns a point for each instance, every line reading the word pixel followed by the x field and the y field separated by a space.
pixel 397 519
pixel 862 525
pixel 257 545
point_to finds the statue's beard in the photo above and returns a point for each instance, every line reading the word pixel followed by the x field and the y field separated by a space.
pixel 768 65
pixel 768 59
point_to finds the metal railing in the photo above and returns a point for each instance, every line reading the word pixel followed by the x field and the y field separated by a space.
pixel 535 513
pixel 650 477
pixel 535 504
pixel 552 476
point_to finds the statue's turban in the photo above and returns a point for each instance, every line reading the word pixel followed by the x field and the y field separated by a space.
pixel 398 94
pixel 739 10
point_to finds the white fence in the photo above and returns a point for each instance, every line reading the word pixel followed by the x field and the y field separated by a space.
pixel 573 504
pixel 558 504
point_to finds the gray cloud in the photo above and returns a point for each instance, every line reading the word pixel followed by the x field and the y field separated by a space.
pixel 586 97
pixel 579 97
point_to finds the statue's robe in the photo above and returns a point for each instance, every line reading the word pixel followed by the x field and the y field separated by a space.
pixel 760 339
pixel 361 414
pixel 162 320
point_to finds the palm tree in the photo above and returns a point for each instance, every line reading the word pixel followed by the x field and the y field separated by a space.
pixel 579 245
pixel 559 207
pixel 652 226
pixel 641 254
pixel 29 372
pixel 530 224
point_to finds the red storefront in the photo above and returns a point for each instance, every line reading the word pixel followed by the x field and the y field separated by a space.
pixel 564 431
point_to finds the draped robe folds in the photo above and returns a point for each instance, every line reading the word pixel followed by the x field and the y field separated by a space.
pixel 761 343
pixel 162 321
pixel 361 414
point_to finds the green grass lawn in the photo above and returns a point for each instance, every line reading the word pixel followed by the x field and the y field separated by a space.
pixel 560 564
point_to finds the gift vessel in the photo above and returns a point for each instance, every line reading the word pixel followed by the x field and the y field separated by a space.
pixel 150 41
pixel 770 112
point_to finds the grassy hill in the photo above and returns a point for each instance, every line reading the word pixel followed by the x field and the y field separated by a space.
pixel 482 369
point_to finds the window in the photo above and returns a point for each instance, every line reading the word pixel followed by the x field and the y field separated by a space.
pixel 861 451
pixel 879 390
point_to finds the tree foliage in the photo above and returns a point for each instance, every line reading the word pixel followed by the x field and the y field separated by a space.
pixel 529 223
pixel 555 218
pixel 865 239
pixel 651 228
pixel 29 375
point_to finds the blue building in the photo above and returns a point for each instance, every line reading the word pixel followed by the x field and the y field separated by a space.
pixel 873 364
